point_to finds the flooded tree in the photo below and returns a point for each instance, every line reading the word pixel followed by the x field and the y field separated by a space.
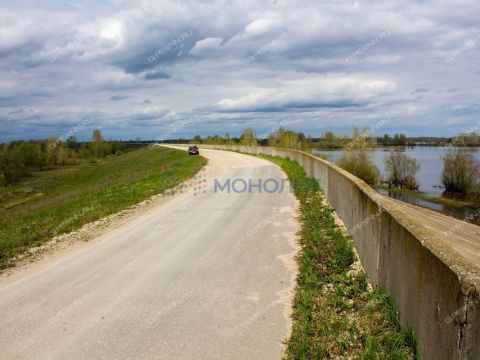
pixel 460 173
pixel 402 170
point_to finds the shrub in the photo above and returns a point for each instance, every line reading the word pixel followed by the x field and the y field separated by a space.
pixel 460 173
pixel 475 193
pixel 358 163
pixel 402 170
pixel 16 162
pixel 356 158
pixel 248 137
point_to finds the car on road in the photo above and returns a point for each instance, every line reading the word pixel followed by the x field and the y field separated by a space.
pixel 193 150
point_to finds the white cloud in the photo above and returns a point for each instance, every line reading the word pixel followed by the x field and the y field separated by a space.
pixel 14 34
pixel 314 92
pixel 260 27
pixel 206 46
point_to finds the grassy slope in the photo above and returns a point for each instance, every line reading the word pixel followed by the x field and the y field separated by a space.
pixel 61 200
pixel 335 315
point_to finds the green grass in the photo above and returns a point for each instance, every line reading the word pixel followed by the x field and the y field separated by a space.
pixel 61 200
pixel 335 315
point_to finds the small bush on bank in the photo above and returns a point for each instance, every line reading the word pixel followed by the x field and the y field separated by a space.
pixel 356 158
pixel 358 163
pixel 460 174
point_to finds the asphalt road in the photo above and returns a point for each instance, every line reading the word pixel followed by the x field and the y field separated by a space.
pixel 209 276
pixel 461 236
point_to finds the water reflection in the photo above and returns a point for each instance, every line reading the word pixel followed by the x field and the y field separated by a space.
pixel 460 213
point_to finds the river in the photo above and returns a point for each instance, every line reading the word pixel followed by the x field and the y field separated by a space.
pixel 429 176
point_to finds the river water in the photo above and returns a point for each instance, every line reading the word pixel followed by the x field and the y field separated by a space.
pixel 429 176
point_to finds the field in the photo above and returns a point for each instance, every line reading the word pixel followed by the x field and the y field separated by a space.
pixel 57 201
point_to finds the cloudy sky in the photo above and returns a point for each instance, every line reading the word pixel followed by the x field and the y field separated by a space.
pixel 160 69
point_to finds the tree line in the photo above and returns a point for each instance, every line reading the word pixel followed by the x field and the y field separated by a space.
pixel 19 158
pixel 330 140
pixel 281 137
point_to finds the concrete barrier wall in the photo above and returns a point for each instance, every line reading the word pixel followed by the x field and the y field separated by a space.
pixel 428 281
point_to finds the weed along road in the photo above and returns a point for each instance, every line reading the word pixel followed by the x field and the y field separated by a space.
pixel 207 275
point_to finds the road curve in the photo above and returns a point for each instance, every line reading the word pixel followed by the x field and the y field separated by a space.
pixel 201 277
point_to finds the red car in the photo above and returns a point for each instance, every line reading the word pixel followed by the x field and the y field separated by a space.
pixel 193 150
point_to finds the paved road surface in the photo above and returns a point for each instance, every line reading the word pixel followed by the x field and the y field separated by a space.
pixel 201 277
pixel 461 236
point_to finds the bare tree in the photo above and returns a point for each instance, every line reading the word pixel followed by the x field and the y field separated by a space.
pixel 402 170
